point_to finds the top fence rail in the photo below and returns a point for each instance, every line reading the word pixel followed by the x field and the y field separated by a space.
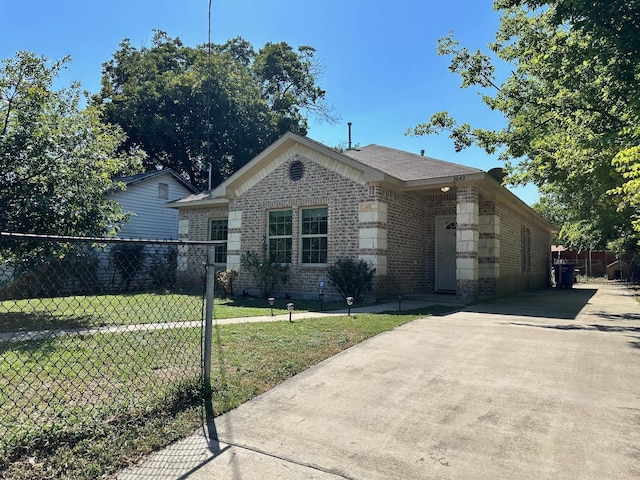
pixel 62 238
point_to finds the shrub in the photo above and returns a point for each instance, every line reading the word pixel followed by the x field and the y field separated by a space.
pixel 352 278
pixel 73 272
pixel 128 259
pixel 163 270
pixel 266 273
pixel 224 279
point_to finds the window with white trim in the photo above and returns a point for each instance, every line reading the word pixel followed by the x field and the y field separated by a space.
pixel 280 230
pixel 313 236
pixel 218 231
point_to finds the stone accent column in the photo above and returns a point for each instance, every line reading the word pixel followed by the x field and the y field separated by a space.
pixel 489 254
pixel 372 235
pixel 234 236
pixel 467 240
pixel 183 250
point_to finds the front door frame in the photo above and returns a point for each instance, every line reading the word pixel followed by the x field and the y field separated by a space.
pixel 446 279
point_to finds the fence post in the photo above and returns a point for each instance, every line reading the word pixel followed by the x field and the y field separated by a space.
pixel 208 329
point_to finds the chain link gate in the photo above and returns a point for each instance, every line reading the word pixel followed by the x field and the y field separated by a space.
pixel 95 331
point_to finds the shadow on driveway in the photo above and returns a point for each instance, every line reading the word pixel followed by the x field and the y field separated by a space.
pixel 547 303
pixel 574 327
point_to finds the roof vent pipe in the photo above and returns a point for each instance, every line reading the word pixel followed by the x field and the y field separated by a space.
pixel 349 124
pixel 422 152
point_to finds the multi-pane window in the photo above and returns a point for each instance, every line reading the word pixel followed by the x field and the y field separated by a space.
pixel 313 235
pixel 280 236
pixel 219 232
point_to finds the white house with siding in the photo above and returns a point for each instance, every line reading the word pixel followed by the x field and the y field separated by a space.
pixel 145 198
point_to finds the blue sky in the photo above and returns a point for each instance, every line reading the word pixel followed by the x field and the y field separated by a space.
pixel 381 71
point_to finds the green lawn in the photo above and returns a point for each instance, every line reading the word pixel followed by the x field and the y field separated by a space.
pixel 85 406
pixel 106 310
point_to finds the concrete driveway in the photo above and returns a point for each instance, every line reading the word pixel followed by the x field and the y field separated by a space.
pixel 545 385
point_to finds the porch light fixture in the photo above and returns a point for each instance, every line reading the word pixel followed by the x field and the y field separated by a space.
pixel 445 189
pixel 290 308
pixel 349 301
pixel 271 301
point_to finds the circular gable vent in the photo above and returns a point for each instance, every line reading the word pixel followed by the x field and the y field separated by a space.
pixel 296 170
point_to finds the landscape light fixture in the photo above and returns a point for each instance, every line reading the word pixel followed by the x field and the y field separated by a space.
pixel 290 308
pixel 399 302
pixel 321 296
pixel 349 301
pixel 271 300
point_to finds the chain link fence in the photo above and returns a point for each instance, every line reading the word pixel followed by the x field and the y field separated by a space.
pixel 94 331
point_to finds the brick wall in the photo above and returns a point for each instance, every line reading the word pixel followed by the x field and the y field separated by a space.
pixel 536 273
pixel 321 186
pixel 407 230
pixel 194 225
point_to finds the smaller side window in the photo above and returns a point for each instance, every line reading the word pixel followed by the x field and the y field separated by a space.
pixel 219 232
pixel 163 190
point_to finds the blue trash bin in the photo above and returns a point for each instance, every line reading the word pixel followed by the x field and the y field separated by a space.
pixel 568 272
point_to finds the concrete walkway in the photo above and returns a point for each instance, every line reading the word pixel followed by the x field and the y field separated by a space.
pixel 542 385
pixel 409 303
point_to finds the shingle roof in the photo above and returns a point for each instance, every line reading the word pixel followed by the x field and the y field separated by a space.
pixel 406 166
pixel 139 177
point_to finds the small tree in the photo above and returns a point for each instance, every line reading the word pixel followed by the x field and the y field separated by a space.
pixel 266 273
pixel 225 280
pixel 352 278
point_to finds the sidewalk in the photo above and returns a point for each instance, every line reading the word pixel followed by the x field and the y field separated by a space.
pixel 410 303
pixel 541 385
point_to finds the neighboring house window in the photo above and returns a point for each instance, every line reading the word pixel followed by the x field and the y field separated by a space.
pixel 525 249
pixel 313 234
pixel 280 236
pixel 163 190
pixel 219 232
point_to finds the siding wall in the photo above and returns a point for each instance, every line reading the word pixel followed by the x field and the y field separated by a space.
pixel 150 218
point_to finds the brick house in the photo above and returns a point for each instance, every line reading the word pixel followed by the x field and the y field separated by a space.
pixel 425 225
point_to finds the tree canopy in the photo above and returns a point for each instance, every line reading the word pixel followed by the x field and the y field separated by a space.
pixel 56 159
pixel 572 108
pixel 220 104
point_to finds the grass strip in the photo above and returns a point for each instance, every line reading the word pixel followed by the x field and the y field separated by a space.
pixel 76 312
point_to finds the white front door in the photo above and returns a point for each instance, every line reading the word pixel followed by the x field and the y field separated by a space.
pixel 446 254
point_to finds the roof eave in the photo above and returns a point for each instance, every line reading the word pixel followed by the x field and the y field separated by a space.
pixel 166 171
pixel 205 202
pixel 491 186
pixel 447 181
pixel 226 189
